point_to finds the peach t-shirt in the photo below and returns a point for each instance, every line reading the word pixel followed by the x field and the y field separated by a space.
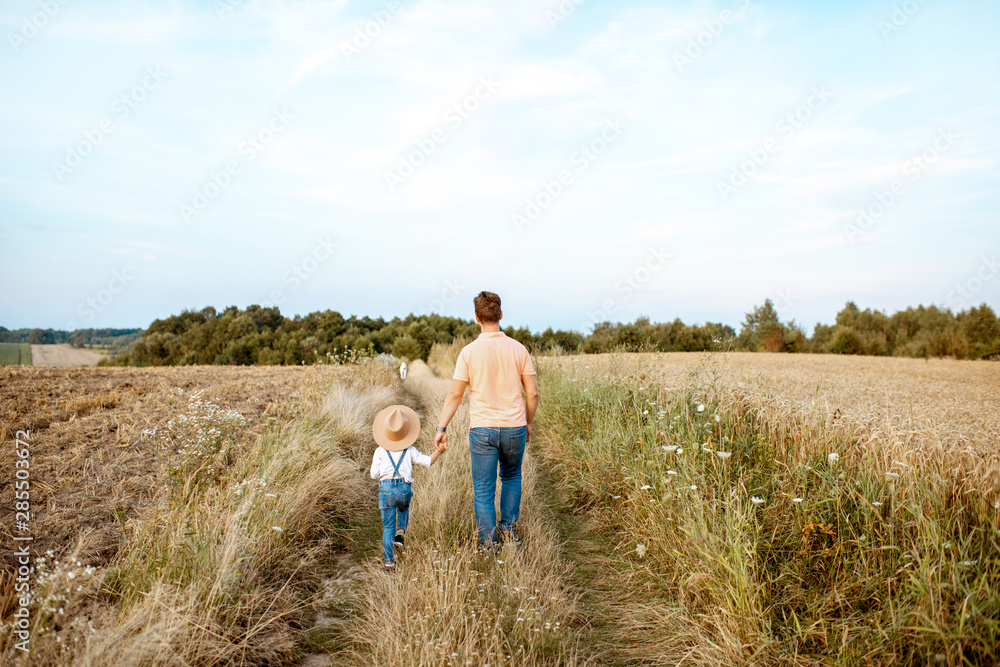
pixel 493 365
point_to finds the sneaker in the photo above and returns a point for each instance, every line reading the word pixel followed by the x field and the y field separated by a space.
pixel 390 566
pixel 510 537
pixel 398 540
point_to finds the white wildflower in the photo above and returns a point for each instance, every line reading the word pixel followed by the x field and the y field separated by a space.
pixel 701 407
pixel 877 504
pixel 796 500
pixel 277 528
pixel 832 457
pixel 669 448
pixel 694 487
pixel 723 455
pixel 641 550
pixel 644 487
pixel 756 501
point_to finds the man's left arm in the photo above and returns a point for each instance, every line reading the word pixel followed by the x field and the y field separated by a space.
pixel 530 398
pixel 448 410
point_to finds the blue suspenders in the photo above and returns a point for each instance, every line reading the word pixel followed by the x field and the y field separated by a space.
pixel 395 465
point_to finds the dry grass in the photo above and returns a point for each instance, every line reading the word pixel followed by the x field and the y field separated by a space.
pixel 891 557
pixel 878 554
pixel 909 410
pixel 442 357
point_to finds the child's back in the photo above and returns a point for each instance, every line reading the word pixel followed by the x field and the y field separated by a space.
pixel 395 430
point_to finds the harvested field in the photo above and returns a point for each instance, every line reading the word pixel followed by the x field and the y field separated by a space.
pixel 91 466
pixel 63 355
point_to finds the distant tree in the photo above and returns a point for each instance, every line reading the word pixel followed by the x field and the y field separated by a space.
pixel 522 335
pixel 761 329
pixel 568 341
pixel 628 337
pixel 982 331
pixel 407 347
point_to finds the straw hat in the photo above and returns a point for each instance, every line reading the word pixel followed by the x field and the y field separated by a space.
pixel 396 428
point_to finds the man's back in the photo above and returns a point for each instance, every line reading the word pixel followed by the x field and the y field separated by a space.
pixel 493 365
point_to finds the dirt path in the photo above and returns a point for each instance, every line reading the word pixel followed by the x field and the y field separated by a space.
pixel 581 561
pixel 63 355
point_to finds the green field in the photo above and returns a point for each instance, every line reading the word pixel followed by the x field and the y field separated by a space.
pixel 15 354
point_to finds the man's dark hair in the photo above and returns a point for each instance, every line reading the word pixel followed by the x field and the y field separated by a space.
pixel 487 307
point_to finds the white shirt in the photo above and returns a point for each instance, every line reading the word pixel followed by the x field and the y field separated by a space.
pixel 382 466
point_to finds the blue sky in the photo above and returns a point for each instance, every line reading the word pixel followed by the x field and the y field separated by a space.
pixel 585 160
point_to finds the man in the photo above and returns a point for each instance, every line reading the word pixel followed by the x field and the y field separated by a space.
pixel 496 368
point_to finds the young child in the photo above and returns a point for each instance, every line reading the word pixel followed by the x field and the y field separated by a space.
pixel 395 430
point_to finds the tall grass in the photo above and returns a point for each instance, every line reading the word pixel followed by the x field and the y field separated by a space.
pixel 229 565
pixel 742 539
pixel 443 356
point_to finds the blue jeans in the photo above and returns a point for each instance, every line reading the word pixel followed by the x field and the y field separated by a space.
pixel 394 497
pixel 489 447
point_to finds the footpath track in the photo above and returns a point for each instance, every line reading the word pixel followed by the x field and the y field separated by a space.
pixel 581 566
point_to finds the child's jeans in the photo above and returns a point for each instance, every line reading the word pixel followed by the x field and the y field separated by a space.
pixel 394 497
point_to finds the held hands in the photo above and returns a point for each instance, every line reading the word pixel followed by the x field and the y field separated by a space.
pixel 440 442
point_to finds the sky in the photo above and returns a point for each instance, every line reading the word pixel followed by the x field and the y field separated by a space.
pixel 586 160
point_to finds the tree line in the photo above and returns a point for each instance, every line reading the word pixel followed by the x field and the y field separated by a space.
pixel 264 336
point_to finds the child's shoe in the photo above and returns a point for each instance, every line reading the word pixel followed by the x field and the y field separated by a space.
pixel 398 540
pixel 390 566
